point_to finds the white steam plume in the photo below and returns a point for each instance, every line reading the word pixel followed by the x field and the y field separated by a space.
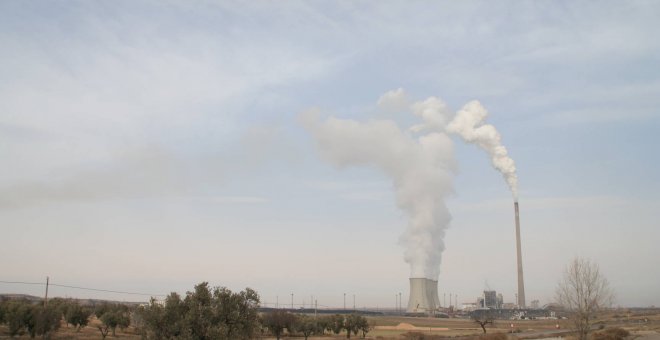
pixel 419 160
pixel 421 170
pixel 469 124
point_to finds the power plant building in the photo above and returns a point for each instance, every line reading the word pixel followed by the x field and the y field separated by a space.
pixel 490 299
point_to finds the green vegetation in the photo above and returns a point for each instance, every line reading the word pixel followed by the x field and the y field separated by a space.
pixel 23 317
pixel 77 315
pixel 277 321
pixel 205 313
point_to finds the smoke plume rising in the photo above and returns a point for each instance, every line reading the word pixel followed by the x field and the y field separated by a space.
pixel 421 170
pixel 419 161
pixel 469 124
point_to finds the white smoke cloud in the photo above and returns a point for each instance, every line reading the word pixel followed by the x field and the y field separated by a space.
pixel 433 111
pixel 421 170
pixel 469 124
pixel 419 161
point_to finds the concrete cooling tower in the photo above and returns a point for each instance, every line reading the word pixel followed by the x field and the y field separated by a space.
pixel 423 296
pixel 436 298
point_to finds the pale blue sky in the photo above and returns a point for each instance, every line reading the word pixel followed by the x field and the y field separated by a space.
pixel 147 146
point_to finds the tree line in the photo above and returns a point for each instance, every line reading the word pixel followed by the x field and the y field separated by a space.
pixel 204 313
pixel 23 316
pixel 277 321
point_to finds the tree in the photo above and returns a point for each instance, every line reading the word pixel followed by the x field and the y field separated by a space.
pixel 104 329
pixel 199 311
pixel 77 315
pixel 163 321
pixel 61 305
pixel 113 316
pixel 278 320
pixel 42 320
pixel 352 324
pixel 584 292
pixel 483 317
pixel 324 323
pixel 237 314
pixel 307 325
pixel 102 308
pixel 204 313
pixel 17 316
pixel 364 326
pixel 2 312
pixel 336 323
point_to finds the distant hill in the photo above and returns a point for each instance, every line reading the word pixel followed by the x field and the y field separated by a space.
pixel 84 302
pixel 21 297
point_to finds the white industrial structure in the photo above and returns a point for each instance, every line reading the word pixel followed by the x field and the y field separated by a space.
pixel 424 297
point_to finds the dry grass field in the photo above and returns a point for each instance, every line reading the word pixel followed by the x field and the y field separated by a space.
pixel 642 325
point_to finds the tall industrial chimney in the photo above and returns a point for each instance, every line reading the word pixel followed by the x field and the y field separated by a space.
pixel 521 283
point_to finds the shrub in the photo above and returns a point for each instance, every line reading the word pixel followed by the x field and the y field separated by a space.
pixel 493 336
pixel 414 336
pixel 614 333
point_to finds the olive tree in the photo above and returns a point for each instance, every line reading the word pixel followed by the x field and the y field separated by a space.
pixel 352 324
pixel 583 292
pixel 112 316
pixel 77 315
pixel 308 325
pixel 278 320
pixel 204 313
pixel 365 326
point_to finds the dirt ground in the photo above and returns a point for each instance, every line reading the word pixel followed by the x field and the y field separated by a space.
pixel 643 326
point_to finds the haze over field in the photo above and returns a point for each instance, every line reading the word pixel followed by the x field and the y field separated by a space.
pixel 147 147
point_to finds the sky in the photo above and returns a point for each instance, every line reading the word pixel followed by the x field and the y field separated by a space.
pixel 147 146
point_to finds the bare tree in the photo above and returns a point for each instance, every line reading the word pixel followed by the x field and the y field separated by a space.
pixel 584 292
pixel 483 317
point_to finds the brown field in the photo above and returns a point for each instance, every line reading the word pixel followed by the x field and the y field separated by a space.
pixel 643 325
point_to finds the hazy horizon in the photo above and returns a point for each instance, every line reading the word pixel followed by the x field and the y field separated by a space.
pixel 149 146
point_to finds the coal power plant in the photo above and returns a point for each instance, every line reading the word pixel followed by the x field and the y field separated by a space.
pixel 422 179
pixel 424 299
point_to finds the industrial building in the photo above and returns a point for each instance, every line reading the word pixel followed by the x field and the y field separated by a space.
pixel 424 299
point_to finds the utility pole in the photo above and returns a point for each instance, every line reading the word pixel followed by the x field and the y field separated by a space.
pixel 344 301
pixel 291 301
pixel 444 298
pixel 354 302
pixel 396 304
pixel 277 302
pixel 517 302
pixel 46 297
pixel 400 304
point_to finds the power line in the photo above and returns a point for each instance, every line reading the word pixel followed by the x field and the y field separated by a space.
pixel 81 288
pixel 24 283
